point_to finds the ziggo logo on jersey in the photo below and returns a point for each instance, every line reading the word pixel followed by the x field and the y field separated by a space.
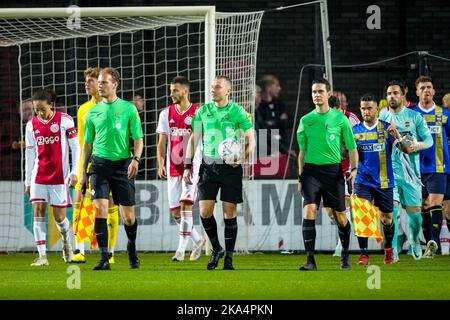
pixel 174 131
pixel 46 140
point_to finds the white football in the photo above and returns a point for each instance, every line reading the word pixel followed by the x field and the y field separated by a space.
pixel 230 151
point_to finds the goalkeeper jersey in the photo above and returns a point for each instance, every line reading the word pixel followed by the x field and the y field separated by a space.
pixel 408 123
pixel 374 150
pixel 81 119
pixel 436 158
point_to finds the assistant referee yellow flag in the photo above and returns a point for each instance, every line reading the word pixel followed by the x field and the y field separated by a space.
pixel 365 218
pixel 85 228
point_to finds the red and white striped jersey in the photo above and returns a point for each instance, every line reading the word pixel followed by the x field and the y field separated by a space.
pixel 354 120
pixel 177 127
pixel 47 149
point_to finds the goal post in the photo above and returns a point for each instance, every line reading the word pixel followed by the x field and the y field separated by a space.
pixel 208 13
pixel 149 46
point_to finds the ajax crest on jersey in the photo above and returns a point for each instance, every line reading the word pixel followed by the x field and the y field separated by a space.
pixel 230 151
pixel 54 128
pixel 188 120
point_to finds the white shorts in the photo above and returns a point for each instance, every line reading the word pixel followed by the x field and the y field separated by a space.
pixel 56 195
pixel 179 191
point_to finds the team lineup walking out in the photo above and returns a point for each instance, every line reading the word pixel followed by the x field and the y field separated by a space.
pixel 399 157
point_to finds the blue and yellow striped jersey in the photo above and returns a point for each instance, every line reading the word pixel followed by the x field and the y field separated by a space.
pixel 374 149
pixel 436 158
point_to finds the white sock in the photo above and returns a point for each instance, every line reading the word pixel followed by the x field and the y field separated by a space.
pixel 195 236
pixel 63 228
pixel 185 230
pixel 79 246
pixel 111 250
pixel 39 235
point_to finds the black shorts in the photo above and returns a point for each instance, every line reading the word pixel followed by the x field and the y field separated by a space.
pixel 447 189
pixel 228 179
pixel 382 198
pixel 323 182
pixel 109 175
pixel 433 183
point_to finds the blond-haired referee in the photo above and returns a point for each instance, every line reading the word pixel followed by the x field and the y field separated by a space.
pixel 91 85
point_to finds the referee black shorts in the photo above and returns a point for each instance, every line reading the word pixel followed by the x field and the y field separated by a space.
pixel 323 182
pixel 215 176
pixel 109 175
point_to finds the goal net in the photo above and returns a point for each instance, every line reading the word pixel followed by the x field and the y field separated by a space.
pixel 149 46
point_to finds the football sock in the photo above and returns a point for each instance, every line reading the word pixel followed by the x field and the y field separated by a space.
pixel 75 217
pixel 426 224
pixel 388 234
pixel 131 231
pixel 436 221
pixel 415 224
pixel 344 235
pixel 184 230
pixel 210 226
pixel 195 236
pixel 113 227
pixel 101 232
pixel 395 235
pixel 363 245
pixel 63 227
pixel 39 229
pixel 231 229
pixel 309 238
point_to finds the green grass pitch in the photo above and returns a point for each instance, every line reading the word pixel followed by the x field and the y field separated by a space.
pixel 257 276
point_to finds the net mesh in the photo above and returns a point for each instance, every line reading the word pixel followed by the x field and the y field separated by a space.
pixel 148 52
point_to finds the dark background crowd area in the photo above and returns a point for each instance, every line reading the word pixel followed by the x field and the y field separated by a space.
pixel 290 39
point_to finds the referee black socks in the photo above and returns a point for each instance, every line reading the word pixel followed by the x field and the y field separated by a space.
pixel 131 231
pixel 101 233
pixel 309 238
pixel 210 226
pixel 344 235
pixel 231 228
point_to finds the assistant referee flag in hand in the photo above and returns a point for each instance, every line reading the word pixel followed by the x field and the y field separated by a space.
pixel 84 230
pixel 365 218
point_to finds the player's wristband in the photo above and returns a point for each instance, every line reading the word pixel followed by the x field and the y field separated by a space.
pixel 138 160
pixel 353 169
pixel 187 166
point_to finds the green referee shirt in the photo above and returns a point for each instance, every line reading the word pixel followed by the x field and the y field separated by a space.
pixel 108 126
pixel 320 135
pixel 219 123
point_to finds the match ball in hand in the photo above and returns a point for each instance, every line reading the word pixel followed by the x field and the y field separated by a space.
pixel 230 151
